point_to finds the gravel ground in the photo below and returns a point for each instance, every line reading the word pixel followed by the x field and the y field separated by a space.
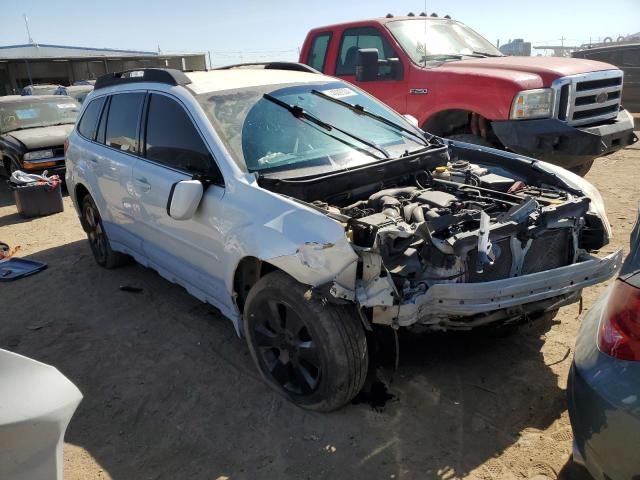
pixel 171 392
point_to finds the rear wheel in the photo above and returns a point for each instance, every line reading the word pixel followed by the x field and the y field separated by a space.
pixel 313 352
pixel 98 240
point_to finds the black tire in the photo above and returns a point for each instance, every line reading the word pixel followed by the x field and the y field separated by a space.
pixel 583 169
pixel 9 167
pixel 279 317
pixel 98 240
pixel 471 138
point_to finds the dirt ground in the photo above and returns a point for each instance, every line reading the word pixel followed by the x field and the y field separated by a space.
pixel 171 392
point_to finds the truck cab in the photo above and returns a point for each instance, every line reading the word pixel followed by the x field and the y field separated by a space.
pixel 456 84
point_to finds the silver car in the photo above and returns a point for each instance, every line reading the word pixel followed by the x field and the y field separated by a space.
pixel 604 383
pixel 307 211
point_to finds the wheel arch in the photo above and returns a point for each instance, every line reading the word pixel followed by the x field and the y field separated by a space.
pixel 248 271
pixel 79 192
pixel 455 121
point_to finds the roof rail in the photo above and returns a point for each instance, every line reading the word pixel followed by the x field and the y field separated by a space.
pixel 158 75
pixel 294 66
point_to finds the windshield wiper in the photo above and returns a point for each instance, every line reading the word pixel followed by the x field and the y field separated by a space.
pixel 361 110
pixel 443 56
pixel 487 54
pixel 299 112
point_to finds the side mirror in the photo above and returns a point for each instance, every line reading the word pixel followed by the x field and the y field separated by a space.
pixel 367 65
pixel 184 199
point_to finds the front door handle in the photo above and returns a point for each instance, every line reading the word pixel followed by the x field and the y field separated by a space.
pixel 142 184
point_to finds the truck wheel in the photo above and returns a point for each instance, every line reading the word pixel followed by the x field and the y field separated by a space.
pixel 471 138
pixel 314 353
pixel 583 169
pixel 98 240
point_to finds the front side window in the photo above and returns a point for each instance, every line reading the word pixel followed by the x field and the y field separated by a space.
pixel 172 139
pixel 265 137
pixel 429 39
pixel 318 53
pixel 34 112
pixel 88 124
pixel 354 39
pixel 122 123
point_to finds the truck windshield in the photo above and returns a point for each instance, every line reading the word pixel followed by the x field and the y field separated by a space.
pixel 431 39
pixel 293 131
pixel 33 112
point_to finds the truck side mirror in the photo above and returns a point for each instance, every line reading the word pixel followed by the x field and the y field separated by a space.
pixel 184 199
pixel 367 65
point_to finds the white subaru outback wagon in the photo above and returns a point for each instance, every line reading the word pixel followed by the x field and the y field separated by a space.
pixel 306 211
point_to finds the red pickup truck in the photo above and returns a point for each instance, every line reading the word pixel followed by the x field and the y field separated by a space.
pixel 458 85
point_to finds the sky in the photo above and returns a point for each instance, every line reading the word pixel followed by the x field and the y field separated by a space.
pixel 248 30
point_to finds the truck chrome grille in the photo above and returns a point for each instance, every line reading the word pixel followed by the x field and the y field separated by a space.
pixel 588 98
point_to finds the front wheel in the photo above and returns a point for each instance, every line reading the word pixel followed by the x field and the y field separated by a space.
pixel 313 352
pixel 471 138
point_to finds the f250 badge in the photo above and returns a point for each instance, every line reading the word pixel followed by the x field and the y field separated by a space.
pixel 418 91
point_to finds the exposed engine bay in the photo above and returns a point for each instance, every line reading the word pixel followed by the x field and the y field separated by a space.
pixel 456 222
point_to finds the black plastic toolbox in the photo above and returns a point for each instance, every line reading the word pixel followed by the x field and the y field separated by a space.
pixel 35 200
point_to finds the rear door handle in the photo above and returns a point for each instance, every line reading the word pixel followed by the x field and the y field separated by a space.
pixel 142 184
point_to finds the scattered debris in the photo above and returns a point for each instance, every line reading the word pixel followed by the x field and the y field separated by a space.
pixel 330 449
pixel 16 268
pixel 131 289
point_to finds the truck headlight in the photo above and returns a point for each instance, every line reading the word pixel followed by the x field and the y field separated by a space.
pixel 37 155
pixel 530 104
pixel 576 182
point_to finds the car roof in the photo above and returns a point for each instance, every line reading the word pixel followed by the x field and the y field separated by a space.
pixel 28 98
pixel 219 80
pixel 381 21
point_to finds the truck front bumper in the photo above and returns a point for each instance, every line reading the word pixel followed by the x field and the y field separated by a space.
pixel 446 305
pixel 557 142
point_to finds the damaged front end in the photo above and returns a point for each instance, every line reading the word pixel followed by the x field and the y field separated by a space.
pixel 443 243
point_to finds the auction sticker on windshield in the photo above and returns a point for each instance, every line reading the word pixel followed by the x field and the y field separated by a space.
pixel 339 92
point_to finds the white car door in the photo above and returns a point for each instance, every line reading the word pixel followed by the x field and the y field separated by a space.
pixel 113 165
pixel 189 252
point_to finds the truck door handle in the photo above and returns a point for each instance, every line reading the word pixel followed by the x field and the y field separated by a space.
pixel 143 184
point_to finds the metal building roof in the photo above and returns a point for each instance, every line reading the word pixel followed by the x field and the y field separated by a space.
pixel 35 51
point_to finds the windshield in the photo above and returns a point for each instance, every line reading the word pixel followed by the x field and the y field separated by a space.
pixel 32 112
pixel 266 131
pixel 437 40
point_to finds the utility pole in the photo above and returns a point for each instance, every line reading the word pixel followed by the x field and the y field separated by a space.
pixel 26 23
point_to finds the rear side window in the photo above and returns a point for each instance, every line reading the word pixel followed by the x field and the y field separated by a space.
pixel 318 52
pixel 172 139
pixel 354 39
pixel 89 122
pixel 122 123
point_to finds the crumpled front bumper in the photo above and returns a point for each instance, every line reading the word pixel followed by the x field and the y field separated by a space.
pixel 450 300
